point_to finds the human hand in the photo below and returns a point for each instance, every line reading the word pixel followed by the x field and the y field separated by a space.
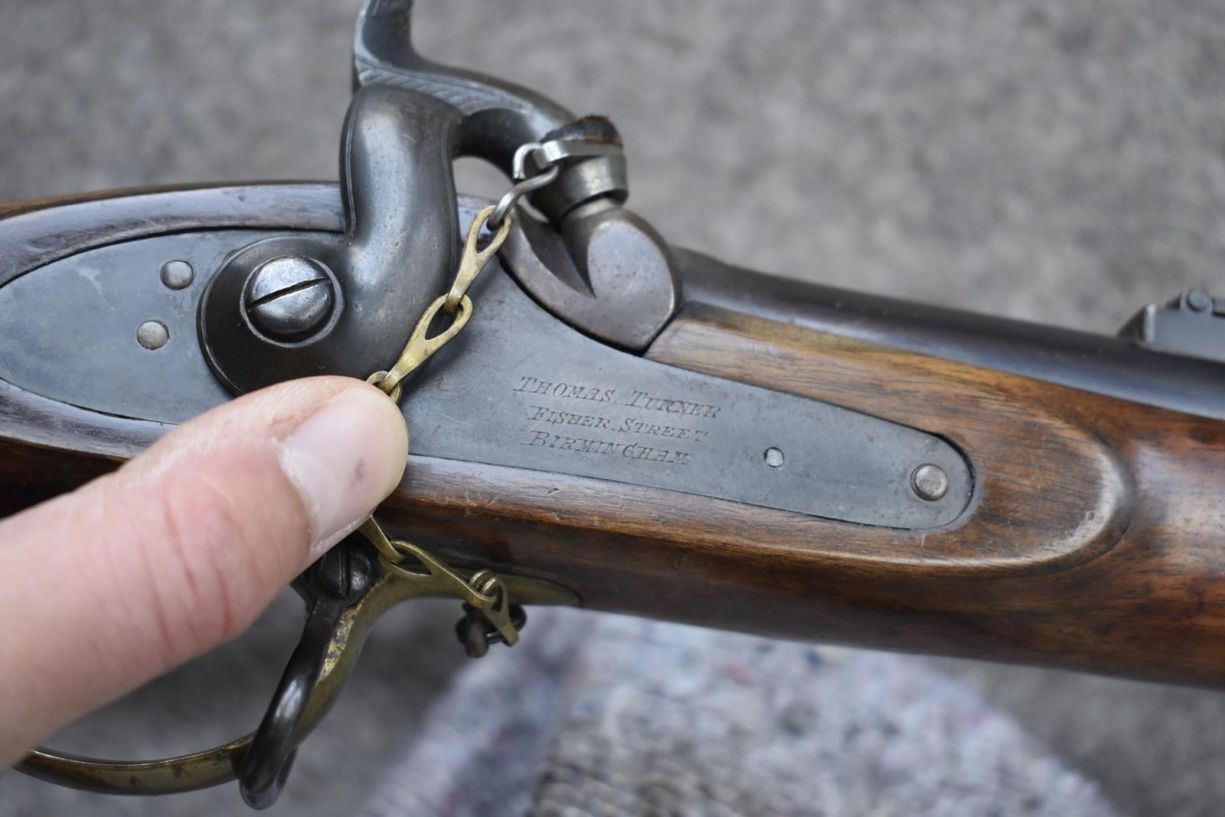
pixel 181 548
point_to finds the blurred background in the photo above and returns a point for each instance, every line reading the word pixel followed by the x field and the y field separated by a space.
pixel 1054 161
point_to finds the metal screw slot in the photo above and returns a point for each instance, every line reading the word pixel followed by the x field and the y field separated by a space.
pixel 929 482
pixel 289 297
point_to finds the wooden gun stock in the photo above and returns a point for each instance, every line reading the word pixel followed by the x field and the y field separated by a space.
pixel 1093 540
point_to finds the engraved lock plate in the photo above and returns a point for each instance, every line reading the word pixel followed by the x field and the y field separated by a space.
pixel 517 388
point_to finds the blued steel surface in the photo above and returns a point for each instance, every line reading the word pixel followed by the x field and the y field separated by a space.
pixel 1102 364
pixel 618 280
pixel 69 329
pixel 1096 363
pixel 608 273
pixel 1193 324
pixel 516 388
pixel 498 115
pixel 395 177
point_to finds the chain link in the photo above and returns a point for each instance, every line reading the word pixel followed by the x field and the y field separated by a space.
pixel 546 170
pixel 489 615
pixel 456 305
pixel 485 593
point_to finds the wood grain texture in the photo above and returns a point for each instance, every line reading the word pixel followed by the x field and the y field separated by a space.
pixel 1092 541
pixel 1108 514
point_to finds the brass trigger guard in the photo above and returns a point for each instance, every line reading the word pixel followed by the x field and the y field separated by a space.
pixel 224 763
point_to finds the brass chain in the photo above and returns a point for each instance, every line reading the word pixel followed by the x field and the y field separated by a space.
pixel 456 305
pixel 485 591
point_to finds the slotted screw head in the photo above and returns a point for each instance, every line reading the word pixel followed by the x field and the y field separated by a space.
pixel 290 297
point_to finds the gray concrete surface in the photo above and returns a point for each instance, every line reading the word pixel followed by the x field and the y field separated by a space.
pixel 1061 161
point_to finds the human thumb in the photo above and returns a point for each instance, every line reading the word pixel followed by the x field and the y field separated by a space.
pixel 180 549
